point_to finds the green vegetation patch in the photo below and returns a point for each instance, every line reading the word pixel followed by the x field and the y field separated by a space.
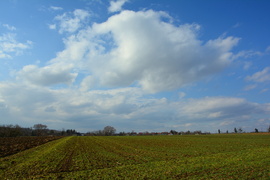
pixel 144 157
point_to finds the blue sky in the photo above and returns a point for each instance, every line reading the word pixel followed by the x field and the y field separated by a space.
pixel 135 65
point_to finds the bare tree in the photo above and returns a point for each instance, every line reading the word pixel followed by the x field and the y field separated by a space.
pixel 240 130
pixel 40 129
pixel 173 132
pixel 109 130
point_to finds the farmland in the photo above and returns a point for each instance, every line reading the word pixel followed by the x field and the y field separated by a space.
pixel 229 156
pixel 13 145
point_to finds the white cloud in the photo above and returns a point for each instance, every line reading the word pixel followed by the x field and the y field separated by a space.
pixel 247 65
pixel 9 27
pixel 261 76
pixel 155 54
pixel 55 8
pixel 247 54
pixel 9 46
pixel 63 106
pixel 46 76
pixel 140 48
pixel 250 87
pixel 181 94
pixel 87 83
pixel 221 108
pixel 116 6
pixel 123 107
pixel 71 22
pixel 52 26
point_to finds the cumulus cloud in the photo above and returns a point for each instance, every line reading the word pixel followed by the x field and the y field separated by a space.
pixel 155 54
pixel 221 108
pixel 9 46
pixel 121 107
pixel 71 22
pixel 116 6
pixel 126 57
pixel 23 103
pixel 144 49
pixel 64 106
pixel 46 76
pixel 261 76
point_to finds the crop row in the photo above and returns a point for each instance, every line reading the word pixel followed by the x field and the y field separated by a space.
pixel 148 157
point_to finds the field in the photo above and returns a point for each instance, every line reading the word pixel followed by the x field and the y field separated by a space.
pixel 229 156
pixel 13 145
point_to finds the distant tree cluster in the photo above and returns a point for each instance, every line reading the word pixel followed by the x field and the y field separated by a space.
pixel 14 131
pixel 70 132
pixel 36 130
pixel 107 131
pixel 42 130
pixel 198 132
pixel 240 130
pixel 172 132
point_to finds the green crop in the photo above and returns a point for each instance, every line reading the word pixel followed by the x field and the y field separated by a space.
pixel 229 156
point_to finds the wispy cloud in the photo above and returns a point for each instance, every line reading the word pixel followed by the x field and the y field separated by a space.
pixel 264 90
pixel 267 49
pixel 55 8
pixel 71 22
pixel 247 65
pixel 9 27
pixel 261 76
pixel 237 25
pixel 52 26
pixel 247 54
pixel 9 46
pixel 116 6
pixel 250 87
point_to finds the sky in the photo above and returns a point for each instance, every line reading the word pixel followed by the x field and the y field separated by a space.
pixel 155 65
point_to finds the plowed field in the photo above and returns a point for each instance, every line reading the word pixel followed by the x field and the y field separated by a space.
pixel 12 145
pixel 144 157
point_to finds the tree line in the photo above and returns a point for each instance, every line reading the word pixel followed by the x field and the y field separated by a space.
pixel 240 130
pixel 43 130
pixel 36 130
pixel 107 131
